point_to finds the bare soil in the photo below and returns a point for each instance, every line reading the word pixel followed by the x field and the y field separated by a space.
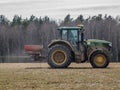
pixel 39 76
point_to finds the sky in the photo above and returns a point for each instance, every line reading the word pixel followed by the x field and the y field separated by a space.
pixel 58 9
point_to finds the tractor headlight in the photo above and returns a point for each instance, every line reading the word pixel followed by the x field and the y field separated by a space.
pixel 110 44
pixel 88 43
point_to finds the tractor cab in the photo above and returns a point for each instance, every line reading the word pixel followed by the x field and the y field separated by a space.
pixel 74 35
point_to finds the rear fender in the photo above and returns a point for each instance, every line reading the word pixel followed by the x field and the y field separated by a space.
pixel 62 42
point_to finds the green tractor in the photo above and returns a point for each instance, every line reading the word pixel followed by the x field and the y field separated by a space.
pixel 71 47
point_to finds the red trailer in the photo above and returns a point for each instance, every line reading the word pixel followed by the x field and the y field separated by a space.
pixel 35 51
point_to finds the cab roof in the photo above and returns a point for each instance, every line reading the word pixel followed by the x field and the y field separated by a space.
pixel 69 28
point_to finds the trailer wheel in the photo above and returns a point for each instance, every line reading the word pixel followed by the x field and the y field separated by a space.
pixel 36 57
pixel 59 56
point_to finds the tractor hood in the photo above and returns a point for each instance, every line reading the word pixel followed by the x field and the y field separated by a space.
pixel 91 42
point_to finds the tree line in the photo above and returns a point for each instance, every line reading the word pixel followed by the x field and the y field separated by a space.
pixel 19 32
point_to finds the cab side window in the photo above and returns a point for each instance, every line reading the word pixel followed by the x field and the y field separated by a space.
pixel 72 35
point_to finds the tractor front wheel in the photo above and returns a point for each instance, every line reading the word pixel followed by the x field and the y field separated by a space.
pixel 99 59
pixel 59 56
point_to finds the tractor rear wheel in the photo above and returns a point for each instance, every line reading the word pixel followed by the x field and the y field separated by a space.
pixel 59 56
pixel 99 59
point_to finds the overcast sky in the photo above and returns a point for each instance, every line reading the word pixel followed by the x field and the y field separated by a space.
pixel 58 9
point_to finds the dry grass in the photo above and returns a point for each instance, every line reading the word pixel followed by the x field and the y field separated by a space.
pixel 38 76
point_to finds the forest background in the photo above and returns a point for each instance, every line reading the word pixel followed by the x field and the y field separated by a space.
pixel 18 32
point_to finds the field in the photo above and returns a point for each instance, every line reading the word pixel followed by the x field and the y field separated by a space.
pixel 39 76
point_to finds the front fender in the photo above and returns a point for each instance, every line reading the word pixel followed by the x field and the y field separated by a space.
pixel 95 49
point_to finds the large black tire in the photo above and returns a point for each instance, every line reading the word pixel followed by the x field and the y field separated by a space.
pixel 59 56
pixel 99 59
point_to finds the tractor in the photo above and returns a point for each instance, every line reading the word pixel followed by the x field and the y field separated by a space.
pixel 72 47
